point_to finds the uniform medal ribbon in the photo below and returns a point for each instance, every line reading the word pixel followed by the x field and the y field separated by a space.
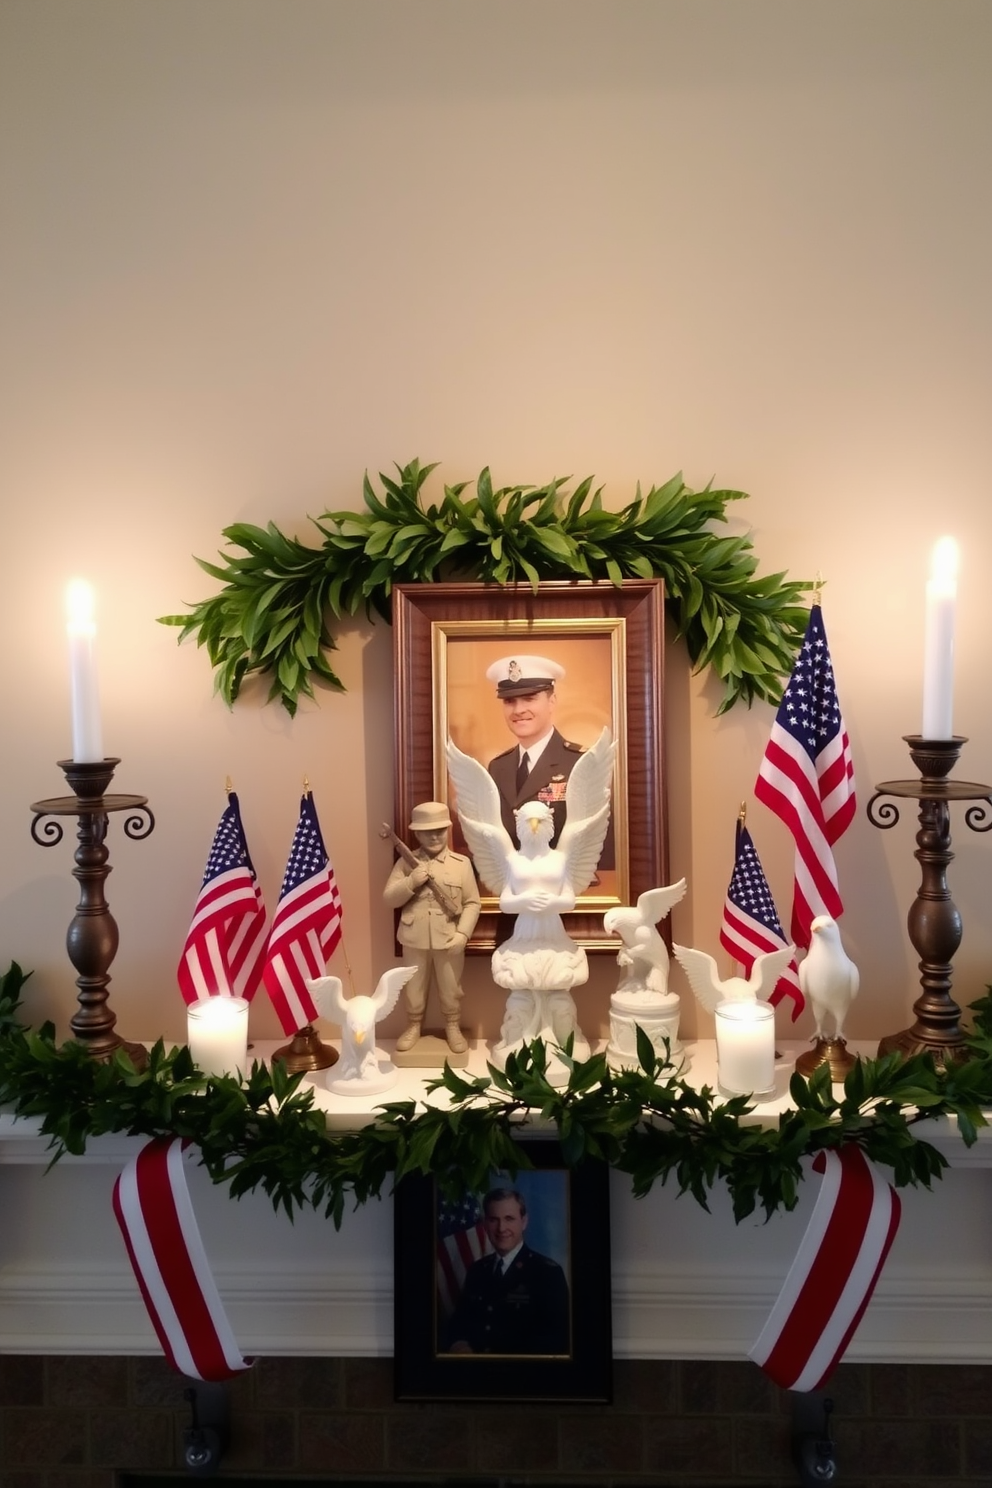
pixel 833 1276
pixel 155 1214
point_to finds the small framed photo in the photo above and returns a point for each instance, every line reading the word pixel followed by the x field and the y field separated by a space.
pixel 504 1294
pixel 595 655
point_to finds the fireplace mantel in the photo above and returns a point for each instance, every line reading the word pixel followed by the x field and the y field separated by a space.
pixel 686 1283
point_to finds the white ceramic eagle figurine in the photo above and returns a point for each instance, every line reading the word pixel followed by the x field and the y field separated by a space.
pixel 359 1062
pixel 540 963
pixel 587 804
pixel 644 958
pixel 701 970
pixel 828 978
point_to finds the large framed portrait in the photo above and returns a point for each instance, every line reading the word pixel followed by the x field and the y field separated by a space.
pixel 603 646
pixel 504 1294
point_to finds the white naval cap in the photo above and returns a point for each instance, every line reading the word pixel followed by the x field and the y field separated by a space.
pixel 519 674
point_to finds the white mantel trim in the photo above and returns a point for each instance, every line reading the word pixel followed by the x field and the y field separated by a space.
pixel 686 1284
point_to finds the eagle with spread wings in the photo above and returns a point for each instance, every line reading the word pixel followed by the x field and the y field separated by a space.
pixel 534 881
pixel 587 803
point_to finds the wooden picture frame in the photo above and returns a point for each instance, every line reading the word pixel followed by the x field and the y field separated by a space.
pixel 613 637
pixel 551 1313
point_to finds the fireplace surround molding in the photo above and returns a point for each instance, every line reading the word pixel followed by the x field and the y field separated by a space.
pixel 685 1283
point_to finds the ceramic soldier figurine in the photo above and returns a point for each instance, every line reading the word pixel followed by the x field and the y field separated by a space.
pixel 438 899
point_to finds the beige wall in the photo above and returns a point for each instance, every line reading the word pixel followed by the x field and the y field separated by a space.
pixel 252 247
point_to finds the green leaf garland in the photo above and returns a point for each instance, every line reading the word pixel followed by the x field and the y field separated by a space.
pixel 266 1133
pixel 281 598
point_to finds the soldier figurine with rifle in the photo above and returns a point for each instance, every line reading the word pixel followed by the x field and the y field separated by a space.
pixel 437 896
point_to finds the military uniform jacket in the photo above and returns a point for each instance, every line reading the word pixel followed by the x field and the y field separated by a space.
pixel 524 1312
pixel 547 781
pixel 423 925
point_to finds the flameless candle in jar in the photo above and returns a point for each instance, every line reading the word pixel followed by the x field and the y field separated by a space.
pixel 745 1048
pixel 217 1032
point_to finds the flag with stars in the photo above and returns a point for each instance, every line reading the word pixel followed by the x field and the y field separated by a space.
pixel 307 924
pixel 751 926
pixel 225 943
pixel 807 778
pixel 461 1240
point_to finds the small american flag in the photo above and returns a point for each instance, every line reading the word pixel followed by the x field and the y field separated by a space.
pixel 751 926
pixel 461 1239
pixel 307 924
pixel 807 778
pixel 225 943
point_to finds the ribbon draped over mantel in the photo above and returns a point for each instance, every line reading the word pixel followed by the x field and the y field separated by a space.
pixel 831 1281
pixel 155 1214
pixel 828 1288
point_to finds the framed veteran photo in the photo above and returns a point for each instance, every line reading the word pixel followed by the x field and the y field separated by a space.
pixel 525 682
pixel 496 1297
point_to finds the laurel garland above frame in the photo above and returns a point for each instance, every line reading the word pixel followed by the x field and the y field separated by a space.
pixel 281 597
pixel 266 1133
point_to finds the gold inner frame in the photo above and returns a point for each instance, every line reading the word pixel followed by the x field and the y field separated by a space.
pixel 536 633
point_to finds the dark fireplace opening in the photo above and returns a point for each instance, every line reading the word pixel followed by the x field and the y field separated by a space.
pixel 372 1480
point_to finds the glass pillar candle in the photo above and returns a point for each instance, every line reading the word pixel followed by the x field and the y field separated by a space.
pixel 745 1048
pixel 217 1032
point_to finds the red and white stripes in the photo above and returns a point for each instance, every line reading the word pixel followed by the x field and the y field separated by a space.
pixel 829 1285
pixel 155 1214
pixel 831 1280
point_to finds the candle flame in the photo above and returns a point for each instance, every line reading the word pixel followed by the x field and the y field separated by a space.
pixel 944 561
pixel 80 605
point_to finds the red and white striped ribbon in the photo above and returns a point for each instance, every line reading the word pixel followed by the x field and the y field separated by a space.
pixel 155 1214
pixel 831 1280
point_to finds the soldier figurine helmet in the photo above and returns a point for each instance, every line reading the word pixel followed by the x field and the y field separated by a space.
pixel 429 816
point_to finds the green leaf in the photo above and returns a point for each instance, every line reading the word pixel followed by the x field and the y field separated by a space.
pixel 646 1056
pixel 747 628
pixel 553 541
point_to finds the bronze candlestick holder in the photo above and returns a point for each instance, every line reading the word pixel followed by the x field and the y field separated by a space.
pixel 934 921
pixel 92 937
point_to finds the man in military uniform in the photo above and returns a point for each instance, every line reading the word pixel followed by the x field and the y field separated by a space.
pixel 514 1301
pixel 539 764
pixel 438 900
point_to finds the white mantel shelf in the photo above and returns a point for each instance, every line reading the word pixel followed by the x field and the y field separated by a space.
pixel 686 1283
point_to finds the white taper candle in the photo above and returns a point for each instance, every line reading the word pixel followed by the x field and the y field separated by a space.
pixel 87 735
pixel 938 650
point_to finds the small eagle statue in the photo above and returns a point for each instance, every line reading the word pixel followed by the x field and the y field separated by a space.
pixel 358 1017
pixel 644 956
pixel 701 970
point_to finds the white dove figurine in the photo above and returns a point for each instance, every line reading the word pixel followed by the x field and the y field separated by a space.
pixel 701 970
pixel 828 978
pixel 360 1070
